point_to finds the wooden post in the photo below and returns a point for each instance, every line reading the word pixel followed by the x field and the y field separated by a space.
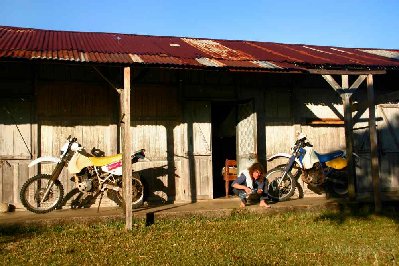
pixel 346 92
pixel 346 100
pixel 126 148
pixel 373 145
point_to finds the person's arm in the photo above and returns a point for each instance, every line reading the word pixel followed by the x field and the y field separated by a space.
pixel 261 187
pixel 240 183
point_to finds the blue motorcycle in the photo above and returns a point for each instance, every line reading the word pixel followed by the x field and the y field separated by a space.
pixel 321 172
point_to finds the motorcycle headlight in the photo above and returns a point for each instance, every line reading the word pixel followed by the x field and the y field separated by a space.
pixel 75 146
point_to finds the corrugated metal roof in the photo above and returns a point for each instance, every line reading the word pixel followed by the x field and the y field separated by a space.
pixel 90 47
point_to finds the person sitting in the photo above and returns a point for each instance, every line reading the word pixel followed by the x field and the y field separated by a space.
pixel 250 184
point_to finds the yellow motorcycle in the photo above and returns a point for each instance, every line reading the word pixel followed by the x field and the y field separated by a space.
pixel 92 177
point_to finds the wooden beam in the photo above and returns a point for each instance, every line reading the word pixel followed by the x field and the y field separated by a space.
pixel 345 92
pixel 126 148
pixel 358 81
pixel 345 82
pixel 373 145
pixel 332 82
pixel 107 80
pixel 346 72
pixel 326 121
pixel 349 144
pixel 360 111
pixel 335 111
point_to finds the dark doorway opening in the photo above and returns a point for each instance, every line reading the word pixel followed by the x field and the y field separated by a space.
pixel 224 115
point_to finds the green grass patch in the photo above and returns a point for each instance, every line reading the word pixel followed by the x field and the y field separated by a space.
pixel 243 238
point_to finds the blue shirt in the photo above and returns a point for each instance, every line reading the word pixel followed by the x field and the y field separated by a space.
pixel 242 180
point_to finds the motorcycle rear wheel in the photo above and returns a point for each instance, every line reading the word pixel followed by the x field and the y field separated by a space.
pixel 284 190
pixel 338 185
pixel 32 193
pixel 137 194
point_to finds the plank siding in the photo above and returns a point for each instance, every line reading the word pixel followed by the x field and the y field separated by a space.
pixel 170 118
pixel 15 128
pixel 76 102
pixel 197 151
pixel 13 174
pixel 389 143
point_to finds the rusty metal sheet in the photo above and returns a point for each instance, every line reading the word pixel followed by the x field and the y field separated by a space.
pixel 217 50
pixel 391 54
pixel 156 59
pixel 209 62
pixel 239 64
pixel 266 64
pixel 24 43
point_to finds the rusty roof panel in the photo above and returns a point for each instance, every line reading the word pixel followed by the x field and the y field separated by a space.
pixel 392 54
pixel 261 51
pixel 265 64
pixel 215 49
pixel 23 43
pixel 210 62
pixel 346 55
pixel 136 58
pixel 156 59
pixel 239 64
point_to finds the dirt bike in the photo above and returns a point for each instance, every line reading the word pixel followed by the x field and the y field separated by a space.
pixel 321 172
pixel 92 176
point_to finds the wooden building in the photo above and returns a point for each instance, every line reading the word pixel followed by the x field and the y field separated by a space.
pixel 194 103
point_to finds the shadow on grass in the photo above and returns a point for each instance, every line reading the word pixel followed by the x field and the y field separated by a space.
pixel 13 233
pixel 15 230
pixel 361 210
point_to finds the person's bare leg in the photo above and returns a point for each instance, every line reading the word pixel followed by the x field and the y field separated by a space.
pixel 243 203
pixel 263 203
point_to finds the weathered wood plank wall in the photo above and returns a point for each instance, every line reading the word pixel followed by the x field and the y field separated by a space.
pixel 171 120
pixel 388 151
pixel 289 110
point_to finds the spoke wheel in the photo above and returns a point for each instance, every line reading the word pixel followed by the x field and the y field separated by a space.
pixel 33 192
pixel 137 194
pixel 280 188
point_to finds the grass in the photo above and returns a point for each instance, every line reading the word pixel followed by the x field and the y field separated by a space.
pixel 243 238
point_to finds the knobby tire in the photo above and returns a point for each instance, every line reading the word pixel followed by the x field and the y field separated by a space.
pixel 56 194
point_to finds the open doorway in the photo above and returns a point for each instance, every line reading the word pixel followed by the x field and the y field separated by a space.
pixel 223 117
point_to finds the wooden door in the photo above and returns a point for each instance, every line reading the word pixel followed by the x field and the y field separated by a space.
pixel 199 149
pixel 246 135
pixel 388 140
pixel 388 150
pixel 15 146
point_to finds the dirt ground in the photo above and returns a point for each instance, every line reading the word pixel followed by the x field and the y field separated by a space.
pixel 214 208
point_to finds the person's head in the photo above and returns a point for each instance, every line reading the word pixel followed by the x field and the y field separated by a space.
pixel 256 171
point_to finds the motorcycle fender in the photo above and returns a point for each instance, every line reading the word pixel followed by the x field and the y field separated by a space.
pixel 283 155
pixel 44 159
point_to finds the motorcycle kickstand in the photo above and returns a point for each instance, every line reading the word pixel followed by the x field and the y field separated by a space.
pixel 99 203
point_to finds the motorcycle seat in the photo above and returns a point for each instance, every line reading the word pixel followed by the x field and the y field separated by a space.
pixel 329 156
pixel 101 161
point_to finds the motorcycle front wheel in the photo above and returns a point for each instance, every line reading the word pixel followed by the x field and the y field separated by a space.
pixel 280 188
pixel 33 192
pixel 137 194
